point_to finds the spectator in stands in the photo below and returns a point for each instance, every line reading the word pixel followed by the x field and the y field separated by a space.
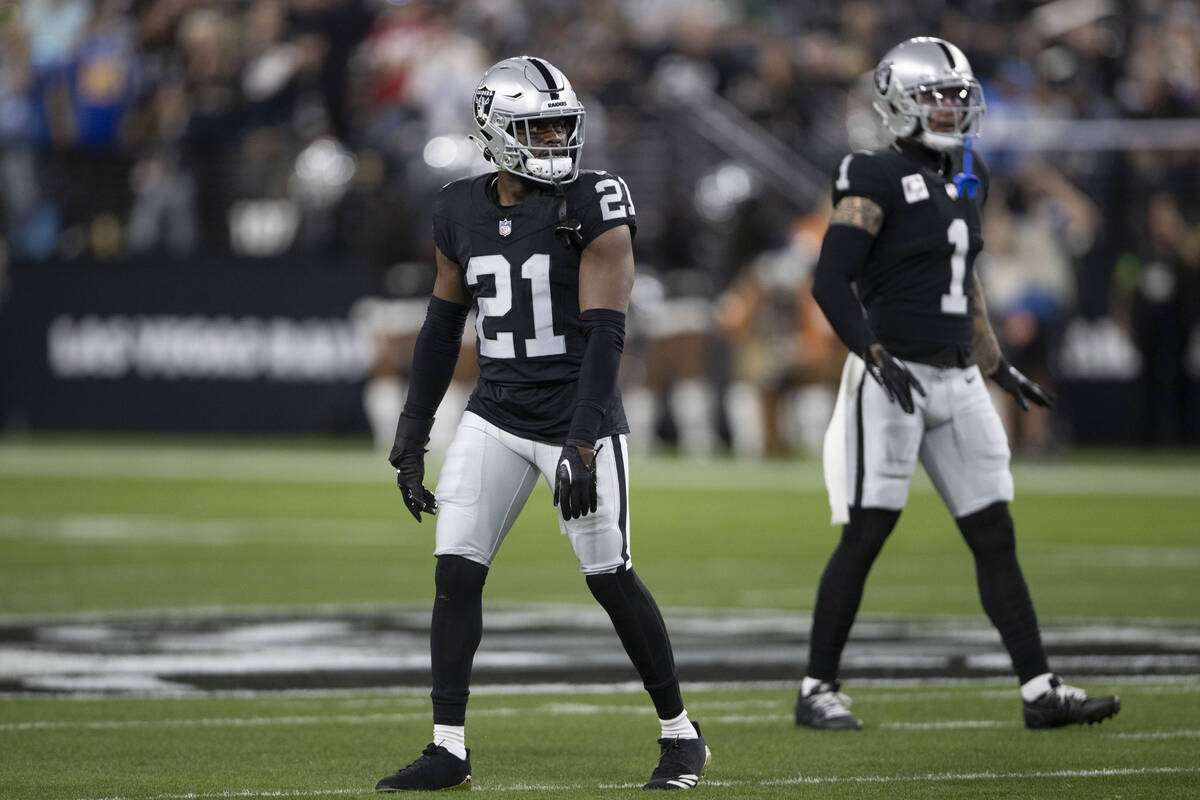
pixel 1031 226
pixel 1166 312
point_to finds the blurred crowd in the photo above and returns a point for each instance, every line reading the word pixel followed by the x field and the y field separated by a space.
pixel 191 129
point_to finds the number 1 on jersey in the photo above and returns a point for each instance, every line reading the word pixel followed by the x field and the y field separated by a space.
pixel 843 179
pixel 545 342
pixel 956 302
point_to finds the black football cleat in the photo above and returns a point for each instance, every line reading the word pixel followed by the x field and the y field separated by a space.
pixel 681 763
pixel 1067 705
pixel 436 769
pixel 825 708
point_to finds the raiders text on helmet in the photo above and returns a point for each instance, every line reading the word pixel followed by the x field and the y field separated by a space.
pixel 924 88
pixel 515 93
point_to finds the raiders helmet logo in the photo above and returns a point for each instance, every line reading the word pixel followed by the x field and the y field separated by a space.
pixel 883 77
pixel 483 105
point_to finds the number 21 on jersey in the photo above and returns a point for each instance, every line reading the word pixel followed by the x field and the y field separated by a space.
pixel 615 202
pixel 536 270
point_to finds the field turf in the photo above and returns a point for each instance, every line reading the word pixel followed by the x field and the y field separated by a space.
pixel 118 527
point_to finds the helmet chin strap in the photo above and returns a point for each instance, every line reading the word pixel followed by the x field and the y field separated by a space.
pixel 568 230
pixel 475 140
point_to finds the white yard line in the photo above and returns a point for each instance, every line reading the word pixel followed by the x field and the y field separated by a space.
pixel 1183 734
pixel 914 689
pixel 243 793
pixel 185 531
pixel 243 722
pixel 949 725
pixel 300 464
pixel 706 711
pixel 515 615
pixel 188 532
pixel 937 777
pixel 941 777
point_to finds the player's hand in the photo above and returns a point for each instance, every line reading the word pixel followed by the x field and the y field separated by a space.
pixel 575 481
pixel 1010 379
pixel 893 376
pixel 408 457
pixel 410 478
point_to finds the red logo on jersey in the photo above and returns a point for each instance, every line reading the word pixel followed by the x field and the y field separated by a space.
pixel 505 227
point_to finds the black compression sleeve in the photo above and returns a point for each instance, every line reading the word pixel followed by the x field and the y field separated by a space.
pixel 843 254
pixel 604 330
pixel 434 357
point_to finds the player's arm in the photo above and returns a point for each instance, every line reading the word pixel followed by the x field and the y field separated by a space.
pixel 852 230
pixel 434 357
pixel 606 271
pixel 847 244
pixel 986 352
pixel 605 283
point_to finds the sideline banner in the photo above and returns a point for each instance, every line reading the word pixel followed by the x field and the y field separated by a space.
pixel 218 346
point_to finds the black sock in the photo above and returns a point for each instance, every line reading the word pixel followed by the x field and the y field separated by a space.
pixel 454 635
pixel 989 534
pixel 641 629
pixel 841 588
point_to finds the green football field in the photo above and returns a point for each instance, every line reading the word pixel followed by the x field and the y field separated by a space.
pixel 97 530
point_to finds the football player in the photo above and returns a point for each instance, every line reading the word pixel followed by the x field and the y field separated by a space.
pixel 542 251
pixel 905 233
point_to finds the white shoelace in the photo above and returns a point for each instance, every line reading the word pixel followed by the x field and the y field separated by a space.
pixel 1071 692
pixel 832 704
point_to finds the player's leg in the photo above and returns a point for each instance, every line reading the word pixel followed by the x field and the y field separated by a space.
pixel 968 461
pixel 1002 589
pixel 601 543
pixel 819 703
pixel 881 452
pixel 484 482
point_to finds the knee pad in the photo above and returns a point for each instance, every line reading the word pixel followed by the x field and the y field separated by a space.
pixel 455 577
pixel 990 531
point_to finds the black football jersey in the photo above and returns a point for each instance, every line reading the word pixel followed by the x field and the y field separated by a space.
pixel 918 285
pixel 525 286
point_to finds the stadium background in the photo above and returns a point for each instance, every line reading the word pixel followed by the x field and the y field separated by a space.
pixel 215 216
pixel 215 254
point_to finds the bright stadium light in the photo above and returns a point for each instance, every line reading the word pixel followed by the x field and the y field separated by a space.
pixel 440 152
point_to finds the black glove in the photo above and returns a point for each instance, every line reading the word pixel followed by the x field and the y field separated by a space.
pixel 575 483
pixel 1010 379
pixel 408 457
pixel 893 376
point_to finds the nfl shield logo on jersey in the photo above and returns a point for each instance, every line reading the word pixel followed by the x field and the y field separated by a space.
pixel 505 227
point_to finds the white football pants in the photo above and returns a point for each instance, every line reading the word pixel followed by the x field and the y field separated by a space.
pixel 488 475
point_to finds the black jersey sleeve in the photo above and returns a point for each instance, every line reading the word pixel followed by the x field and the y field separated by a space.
pixel 447 209
pixel 864 174
pixel 845 250
pixel 600 201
